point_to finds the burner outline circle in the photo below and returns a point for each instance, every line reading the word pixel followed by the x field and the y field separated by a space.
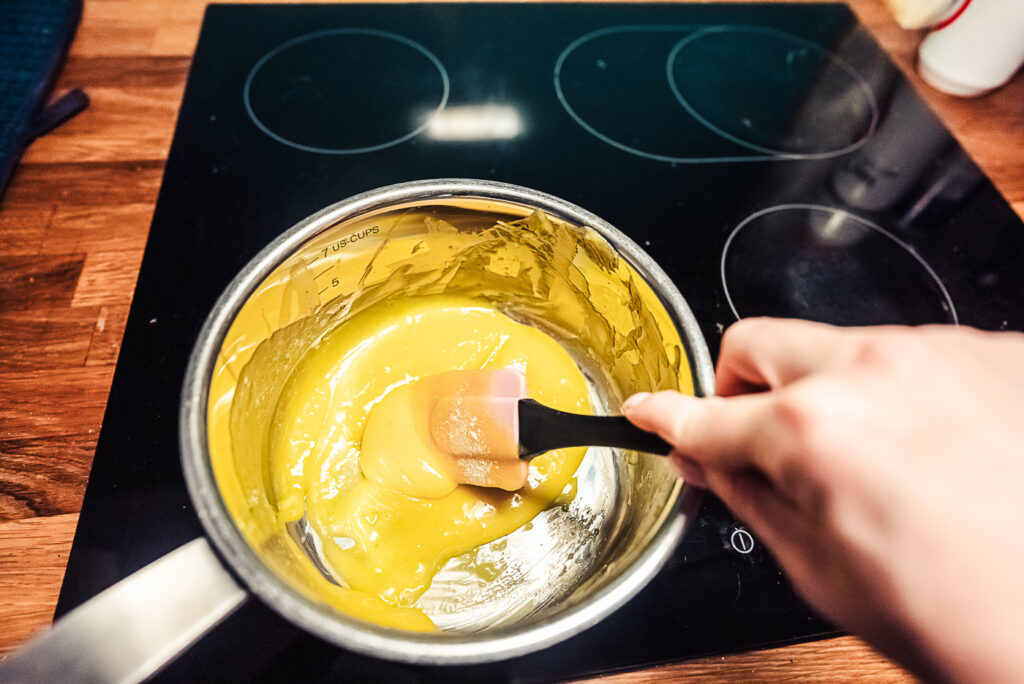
pixel 774 153
pixel 698 29
pixel 834 211
pixel 445 83
pixel 581 122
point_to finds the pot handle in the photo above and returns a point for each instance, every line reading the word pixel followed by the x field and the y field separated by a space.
pixel 131 630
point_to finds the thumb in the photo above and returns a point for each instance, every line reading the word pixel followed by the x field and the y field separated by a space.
pixel 656 417
pixel 721 441
pixel 715 432
pixel 660 412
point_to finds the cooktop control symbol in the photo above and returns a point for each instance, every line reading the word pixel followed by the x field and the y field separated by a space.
pixel 741 541
pixel 825 264
pixel 346 91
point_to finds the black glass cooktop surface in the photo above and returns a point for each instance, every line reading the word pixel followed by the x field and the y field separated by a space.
pixel 769 157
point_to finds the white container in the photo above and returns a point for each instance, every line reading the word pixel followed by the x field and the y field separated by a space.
pixel 976 48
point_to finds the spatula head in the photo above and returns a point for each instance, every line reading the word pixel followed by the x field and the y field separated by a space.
pixel 459 427
pixel 476 427
pixel 480 430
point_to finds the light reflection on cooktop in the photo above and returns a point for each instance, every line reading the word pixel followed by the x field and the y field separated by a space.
pixel 825 264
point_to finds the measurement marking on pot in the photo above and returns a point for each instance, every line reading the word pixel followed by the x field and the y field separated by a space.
pixel 323 272
pixel 334 283
pixel 346 241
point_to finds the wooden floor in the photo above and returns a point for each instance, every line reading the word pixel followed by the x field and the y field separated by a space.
pixel 73 227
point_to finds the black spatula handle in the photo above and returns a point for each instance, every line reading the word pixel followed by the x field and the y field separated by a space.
pixel 542 428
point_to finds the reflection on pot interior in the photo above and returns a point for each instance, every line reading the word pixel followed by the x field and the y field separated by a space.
pixel 385 298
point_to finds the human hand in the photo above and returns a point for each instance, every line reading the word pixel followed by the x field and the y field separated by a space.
pixel 884 468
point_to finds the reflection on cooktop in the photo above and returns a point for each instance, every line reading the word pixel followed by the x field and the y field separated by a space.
pixel 824 264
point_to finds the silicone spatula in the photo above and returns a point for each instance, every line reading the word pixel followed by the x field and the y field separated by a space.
pixel 484 434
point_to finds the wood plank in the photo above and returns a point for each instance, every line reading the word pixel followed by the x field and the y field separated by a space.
pixel 53 403
pixel 106 337
pixel 834 660
pixel 91 229
pixel 126 72
pixel 120 123
pixel 118 27
pixel 33 554
pixel 22 228
pixel 46 338
pixel 108 278
pixel 973 123
pixel 95 184
pixel 44 476
pixel 38 281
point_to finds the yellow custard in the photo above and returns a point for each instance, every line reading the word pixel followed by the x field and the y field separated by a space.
pixel 379 540
pixel 459 427
pixel 341 322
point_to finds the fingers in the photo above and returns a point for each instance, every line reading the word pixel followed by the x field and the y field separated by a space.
pixel 766 353
pixel 731 446
pixel 714 432
pixel 772 517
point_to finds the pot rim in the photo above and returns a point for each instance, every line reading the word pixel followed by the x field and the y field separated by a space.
pixel 350 632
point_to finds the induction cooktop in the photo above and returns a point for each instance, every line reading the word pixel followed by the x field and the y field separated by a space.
pixel 769 157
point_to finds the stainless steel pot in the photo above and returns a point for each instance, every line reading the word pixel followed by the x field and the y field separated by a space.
pixel 130 630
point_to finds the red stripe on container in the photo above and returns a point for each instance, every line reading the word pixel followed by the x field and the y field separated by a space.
pixel 953 17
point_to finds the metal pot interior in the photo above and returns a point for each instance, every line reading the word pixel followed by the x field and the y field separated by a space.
pixel 538 264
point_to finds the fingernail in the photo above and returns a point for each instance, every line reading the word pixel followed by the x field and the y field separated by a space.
pixel 691 471
pixel 634 401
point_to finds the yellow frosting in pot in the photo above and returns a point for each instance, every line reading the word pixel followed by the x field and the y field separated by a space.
pixel 341 323
pixel 383 543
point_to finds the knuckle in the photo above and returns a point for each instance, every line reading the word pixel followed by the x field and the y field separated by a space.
pixel 810 427
pixel 807 418
pixel 795 414
pixel 737 334
pixel 686 426
pixel 732 338
pixel 889 350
